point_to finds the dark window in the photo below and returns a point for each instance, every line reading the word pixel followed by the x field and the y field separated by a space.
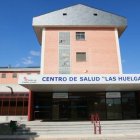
pixel 20 103
pixel 5 103
pixel 13 103
pixel 95 14
pixel 129 105
pixel 80 35
pixel 14 75
pixel 26 103
pixel 0 103
pixel 128 94
pixel 80 56
pixel 64 14
pixel 3 75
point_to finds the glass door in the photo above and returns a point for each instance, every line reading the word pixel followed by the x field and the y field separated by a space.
pixel 60 110
pixel 64 110
pixel 55 111
pixel 129 105
pixel 78 109
pixel 114 110
pixel 97 105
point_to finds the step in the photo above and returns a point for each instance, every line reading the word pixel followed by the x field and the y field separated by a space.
pixel 77 128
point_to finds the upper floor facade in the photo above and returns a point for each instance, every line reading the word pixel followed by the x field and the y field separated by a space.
pixel 81 51
pixel 80 40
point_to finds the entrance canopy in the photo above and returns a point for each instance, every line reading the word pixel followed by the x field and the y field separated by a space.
pixel 93 87
pixel 12 88
pixel 70 82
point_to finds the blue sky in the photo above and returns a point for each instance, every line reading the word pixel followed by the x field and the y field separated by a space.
pixel 19 46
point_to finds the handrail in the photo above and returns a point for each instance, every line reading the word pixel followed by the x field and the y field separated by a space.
pixel 96 120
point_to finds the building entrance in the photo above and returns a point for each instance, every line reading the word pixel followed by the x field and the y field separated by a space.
pixel 60 110
pixel 114 109
pixel 78 106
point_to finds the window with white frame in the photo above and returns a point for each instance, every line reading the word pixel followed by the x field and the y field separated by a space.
pixel 14 75
pixel 3 75
pixel 80 35
pixel 81 56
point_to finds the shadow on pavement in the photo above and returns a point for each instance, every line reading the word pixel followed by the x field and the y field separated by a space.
pixel 22 133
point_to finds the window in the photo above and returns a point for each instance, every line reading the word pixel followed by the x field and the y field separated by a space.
pixel 80 35
pixel 81 56
pixel 64 14
pixel 95 14
pixel 14 75
pixel 3 75
pixel 129 105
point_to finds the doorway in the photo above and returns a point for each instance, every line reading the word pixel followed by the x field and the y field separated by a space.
pixel 60 110
pixel 114 110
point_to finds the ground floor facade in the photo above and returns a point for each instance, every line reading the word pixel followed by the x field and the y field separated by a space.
pixel 72 106
pixel 78 106
pixel 14 105
pixel 72 97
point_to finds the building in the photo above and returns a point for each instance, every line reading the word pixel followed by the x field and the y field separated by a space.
pixel 80 73
pixel 13 97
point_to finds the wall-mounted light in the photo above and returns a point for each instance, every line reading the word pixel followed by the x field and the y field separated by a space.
pixel 12 92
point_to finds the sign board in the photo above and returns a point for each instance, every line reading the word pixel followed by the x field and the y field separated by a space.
pixel 113 95
pixel 80 79
pixel 60 95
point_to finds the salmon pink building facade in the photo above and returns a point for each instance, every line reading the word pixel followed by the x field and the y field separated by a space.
pixel 80 72
pixel 99 59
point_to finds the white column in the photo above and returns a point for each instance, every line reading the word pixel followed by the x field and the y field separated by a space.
pixel 43 50
pixel 118 51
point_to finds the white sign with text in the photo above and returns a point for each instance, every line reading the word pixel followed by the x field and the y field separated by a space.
pixel 60 95
pixel 80 79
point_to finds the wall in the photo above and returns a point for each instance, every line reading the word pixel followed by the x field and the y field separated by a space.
pixel 100 45
pixel 9 76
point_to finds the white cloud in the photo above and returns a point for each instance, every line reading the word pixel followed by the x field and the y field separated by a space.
pixel 35 53
pixel 27 61
pixel 17 65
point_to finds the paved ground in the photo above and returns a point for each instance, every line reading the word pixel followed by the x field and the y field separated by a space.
pixel 75 137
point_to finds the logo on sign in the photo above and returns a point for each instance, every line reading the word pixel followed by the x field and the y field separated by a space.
pixel 27 80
